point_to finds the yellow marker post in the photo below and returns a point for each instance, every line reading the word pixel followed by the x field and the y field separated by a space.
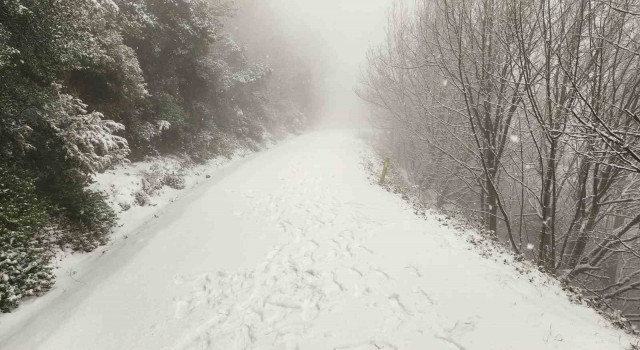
pixel 384 171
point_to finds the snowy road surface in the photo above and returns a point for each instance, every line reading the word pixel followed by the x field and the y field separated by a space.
pixel 295 249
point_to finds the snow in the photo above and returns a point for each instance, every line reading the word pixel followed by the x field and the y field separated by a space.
pixel 294 248
pixel 122 184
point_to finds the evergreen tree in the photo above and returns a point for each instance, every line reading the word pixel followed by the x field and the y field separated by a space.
pixel 23 246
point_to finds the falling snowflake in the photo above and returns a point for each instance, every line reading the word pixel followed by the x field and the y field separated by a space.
pixel 514 138
pixel 530 246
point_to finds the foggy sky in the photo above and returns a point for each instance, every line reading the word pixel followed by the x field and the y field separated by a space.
pixel 347 29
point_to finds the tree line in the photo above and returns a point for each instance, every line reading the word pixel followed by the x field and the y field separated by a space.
pixel 89 84
pixel 526 115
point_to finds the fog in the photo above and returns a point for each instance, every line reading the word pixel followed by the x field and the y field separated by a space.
pixel 333 36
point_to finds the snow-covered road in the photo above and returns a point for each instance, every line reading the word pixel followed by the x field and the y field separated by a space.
pixel 295 249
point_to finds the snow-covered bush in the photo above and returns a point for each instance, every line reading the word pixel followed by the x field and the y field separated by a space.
pixel 24 254
pixel 89 139
pixel 174 180
pixel 152 180
pixel 91 221
pixel 170 111
pixel 124 206
pixel 207 144
pixel 141 198
pixel 157 177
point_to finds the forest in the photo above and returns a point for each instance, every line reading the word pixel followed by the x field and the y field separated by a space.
pixel 91 84
pixel 523 116
pixel 319 174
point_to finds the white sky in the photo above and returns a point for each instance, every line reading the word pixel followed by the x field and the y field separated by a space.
pixel 348 28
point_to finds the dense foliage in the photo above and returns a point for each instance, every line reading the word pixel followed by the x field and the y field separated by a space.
pixel 87 84
pixel 24 254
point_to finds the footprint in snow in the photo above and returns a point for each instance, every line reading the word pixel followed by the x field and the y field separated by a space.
pixel 394 300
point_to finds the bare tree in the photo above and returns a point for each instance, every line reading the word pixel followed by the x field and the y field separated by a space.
pixel 525 112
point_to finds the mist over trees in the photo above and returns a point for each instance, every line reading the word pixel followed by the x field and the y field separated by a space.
pixel 297 57
pixel 526 115
pixel 90 84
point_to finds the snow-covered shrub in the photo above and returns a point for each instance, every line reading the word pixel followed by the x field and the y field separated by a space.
pixel 69 144
pixel 205 145
pixel 174 180
pixel 141 198
pixel 91 221
pixel 24 254
pixel 155 178
pixel 90 140
pixel 148 131
pixel 124 206
pixel 6 51
pixel 170 111
pixel 152 179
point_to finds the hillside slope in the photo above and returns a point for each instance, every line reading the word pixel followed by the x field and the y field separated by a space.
pixel 295 249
